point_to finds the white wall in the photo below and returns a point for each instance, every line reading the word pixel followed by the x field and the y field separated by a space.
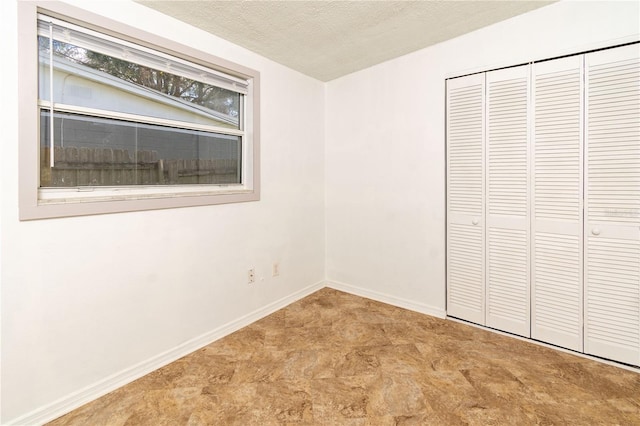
pixel 90 297
pixel 385 147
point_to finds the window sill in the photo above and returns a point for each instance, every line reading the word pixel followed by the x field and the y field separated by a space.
pixel 64 206
pixel 48 196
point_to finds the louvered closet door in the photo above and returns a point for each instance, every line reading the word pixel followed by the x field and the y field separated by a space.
pixel 465 194
pixel 612 231
pixel 557 226
pixel 507 179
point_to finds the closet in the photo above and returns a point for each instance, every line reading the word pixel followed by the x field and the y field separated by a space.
pixel 543 201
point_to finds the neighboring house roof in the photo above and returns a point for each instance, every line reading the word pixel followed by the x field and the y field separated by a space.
pixel 91 74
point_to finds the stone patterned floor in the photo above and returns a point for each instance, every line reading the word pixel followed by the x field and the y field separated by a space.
pixel 338 359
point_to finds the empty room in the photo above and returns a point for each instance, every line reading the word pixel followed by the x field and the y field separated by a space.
pixel 320 212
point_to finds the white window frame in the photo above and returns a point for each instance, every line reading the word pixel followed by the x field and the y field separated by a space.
pixel 41 203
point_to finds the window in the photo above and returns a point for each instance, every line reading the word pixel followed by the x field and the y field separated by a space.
pixel 121 124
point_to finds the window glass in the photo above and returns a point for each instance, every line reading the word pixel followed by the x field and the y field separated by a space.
pixel 92 151
pixel 124 115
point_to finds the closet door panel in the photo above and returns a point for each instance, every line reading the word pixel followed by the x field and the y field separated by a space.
pixel 557 201
pixel 507 180
pixel 465 198
pixel 612 228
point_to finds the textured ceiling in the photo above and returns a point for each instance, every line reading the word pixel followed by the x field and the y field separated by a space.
pixel 329 39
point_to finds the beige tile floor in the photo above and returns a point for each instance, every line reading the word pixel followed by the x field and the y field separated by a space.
pixel 338 359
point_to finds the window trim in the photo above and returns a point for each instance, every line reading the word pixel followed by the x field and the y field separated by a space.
pixel 31 203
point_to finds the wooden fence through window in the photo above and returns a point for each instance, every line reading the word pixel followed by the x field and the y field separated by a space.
pixel 84 166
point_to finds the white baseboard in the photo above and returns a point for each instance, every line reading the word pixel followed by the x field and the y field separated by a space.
pixel 411 305
pixel 76 399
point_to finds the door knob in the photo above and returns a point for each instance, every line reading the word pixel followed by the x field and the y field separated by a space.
pixel 595 231
pixel 475 221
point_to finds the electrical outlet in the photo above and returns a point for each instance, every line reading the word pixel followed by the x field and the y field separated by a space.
pixel 275 271
pixel 251 276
